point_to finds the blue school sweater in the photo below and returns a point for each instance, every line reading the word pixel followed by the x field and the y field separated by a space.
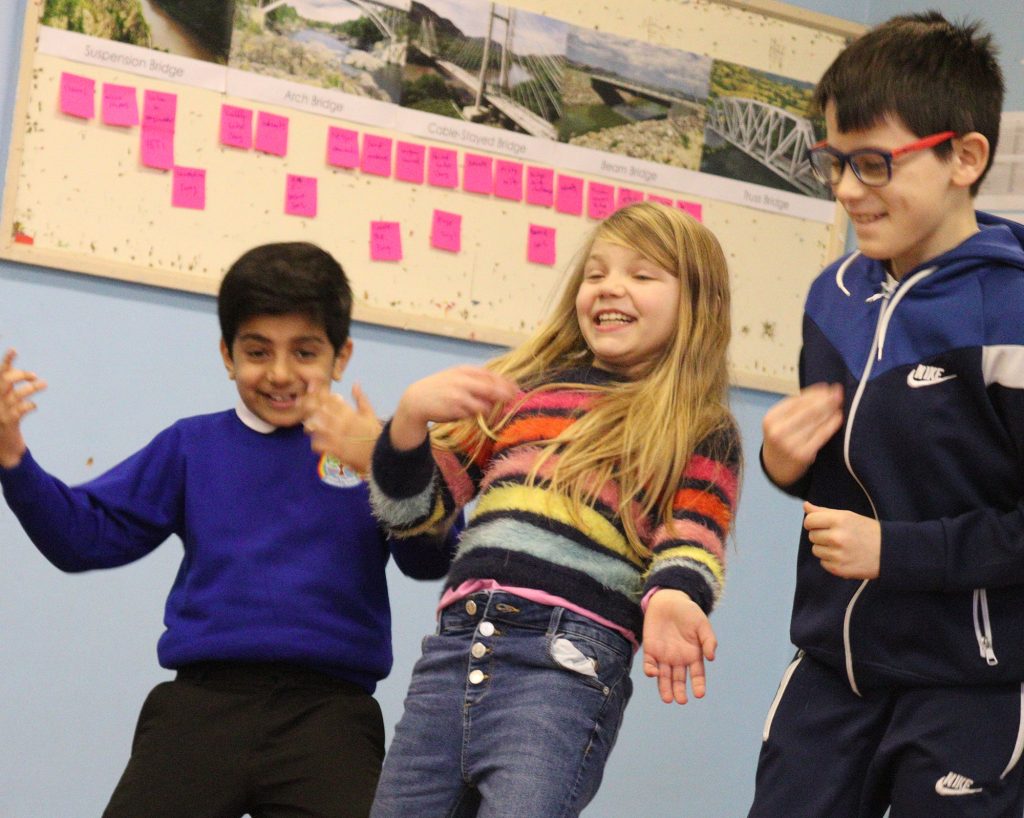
pixel 282 559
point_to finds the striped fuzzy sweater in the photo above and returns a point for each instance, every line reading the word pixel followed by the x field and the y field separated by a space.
pixel 525 536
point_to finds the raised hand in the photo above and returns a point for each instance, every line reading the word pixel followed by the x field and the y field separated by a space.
pixel 677 639
pixel 339 428
pixel 452 394
pixel 17 386
pixel 796 428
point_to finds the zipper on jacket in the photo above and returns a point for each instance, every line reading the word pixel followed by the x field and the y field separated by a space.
pixel 886 294
pixel 983 626
pixel 1018 747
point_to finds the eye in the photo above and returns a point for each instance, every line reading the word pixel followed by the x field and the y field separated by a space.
pixel 255 354
pixel 305 354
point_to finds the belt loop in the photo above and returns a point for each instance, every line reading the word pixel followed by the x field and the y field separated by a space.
pixel 555 620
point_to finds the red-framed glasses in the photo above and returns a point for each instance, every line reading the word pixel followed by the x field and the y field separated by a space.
pixel 872 166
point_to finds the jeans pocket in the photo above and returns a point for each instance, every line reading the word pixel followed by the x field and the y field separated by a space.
pixel 594 663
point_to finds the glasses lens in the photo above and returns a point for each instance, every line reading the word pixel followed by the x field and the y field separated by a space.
pixel 826 166
pixel 871 168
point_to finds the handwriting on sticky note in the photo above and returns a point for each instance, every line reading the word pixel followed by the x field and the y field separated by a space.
pixel 540 244
pixel 236 126
pixel 272 134
pixel 540 186
pixel 120 107
pixel 446 231
pixel 443 167
pixel 626 196
pixel 159 111
pixel 659 199
pixel 157 148
pixel 342 147
pixel 600 200
pixel 508 180
pixel 300 195
pixel 376 155
pixel 693 208
pixel 189 188
pixel 569 195
pixel 385 241
pixel 410 159
pixel 478 174
pixel 77 96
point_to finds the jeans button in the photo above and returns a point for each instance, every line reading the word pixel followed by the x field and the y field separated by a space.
pixel 478 650
pixel 487 628
pixel 476 676
pixel 470 607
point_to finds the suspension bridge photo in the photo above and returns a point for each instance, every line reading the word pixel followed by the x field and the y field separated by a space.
pixel 487 63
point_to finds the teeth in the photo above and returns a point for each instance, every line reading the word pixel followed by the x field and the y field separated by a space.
pixel 613 318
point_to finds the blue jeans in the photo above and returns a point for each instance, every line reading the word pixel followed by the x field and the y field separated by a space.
pixel 512 712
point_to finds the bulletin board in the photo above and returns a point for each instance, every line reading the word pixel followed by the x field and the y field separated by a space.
pixel 140 163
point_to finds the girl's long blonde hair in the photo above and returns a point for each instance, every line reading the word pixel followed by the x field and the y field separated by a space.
pixel 639 433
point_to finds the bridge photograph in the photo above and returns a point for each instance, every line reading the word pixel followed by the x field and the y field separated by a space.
pixel 355 46
pixel 486 62
pixel 200 29
pixel 634 98
pixel 758 129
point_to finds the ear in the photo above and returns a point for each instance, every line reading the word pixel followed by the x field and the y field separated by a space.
pixel 229 364
pixel 970 156
pixel 341 360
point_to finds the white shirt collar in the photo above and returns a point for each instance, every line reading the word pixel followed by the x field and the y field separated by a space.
pixel 253 421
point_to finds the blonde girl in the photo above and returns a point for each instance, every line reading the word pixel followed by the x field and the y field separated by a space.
pixel 605 463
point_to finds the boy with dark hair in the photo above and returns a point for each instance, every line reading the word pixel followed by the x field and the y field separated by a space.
pixel 907 445
pixel 278 622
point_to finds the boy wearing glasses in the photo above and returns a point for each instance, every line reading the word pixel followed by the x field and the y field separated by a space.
pixel 906 443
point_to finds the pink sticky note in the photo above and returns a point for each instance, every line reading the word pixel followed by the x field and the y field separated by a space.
pixel 477 174
pixel 540 245
pixel 693 208
pixel 77 96
pixel 508 180
pixel 157 148
pixel 236 126
pixel 626 196
pixel 600 200
pixel 540 186
pixel 189 188
pixel 385 241
pixel 119 105
pixel 159 111
pixel 443 167
pixel 569 195
pixel 272 134
pixel 446 231
pixel 659 199
pixel 342 147
pixel 300 196
pixel 376 155
pixel 409 162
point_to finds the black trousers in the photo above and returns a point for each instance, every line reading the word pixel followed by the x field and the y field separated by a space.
pixel 273 741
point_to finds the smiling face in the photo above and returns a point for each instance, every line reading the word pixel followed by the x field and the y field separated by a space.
pixel 274 359
pixel 627 308
pixel 922 212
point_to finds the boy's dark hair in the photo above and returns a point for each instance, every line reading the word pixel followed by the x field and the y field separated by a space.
pixel 930 74
pixel 284 279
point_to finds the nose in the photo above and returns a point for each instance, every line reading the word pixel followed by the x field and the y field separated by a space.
pixel 279 369
pixel 612 285
pixel 849 186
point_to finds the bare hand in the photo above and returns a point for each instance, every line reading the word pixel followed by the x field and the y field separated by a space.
pixel 452 394
pixel 849 545
pixel 796 428
pixel 17 386
pixel 677 639
pixel 338 428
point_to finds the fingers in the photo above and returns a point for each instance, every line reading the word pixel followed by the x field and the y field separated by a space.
pixel 363 405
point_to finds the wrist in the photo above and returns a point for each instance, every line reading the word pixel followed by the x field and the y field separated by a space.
pixel 406 431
